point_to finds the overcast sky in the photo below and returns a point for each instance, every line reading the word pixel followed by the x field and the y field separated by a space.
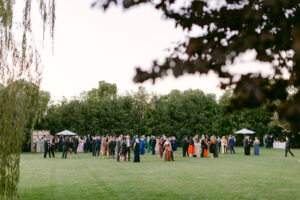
pixel 91 46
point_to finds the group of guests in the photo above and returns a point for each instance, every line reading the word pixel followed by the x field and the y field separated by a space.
pixel 203 146
pixel 46 145
pixel 121 146
pixel 247 145
pixel 268 141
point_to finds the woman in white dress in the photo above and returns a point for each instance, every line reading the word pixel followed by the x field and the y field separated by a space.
pixel 42 145
pixel 197 147
pixel 157 146
pixel 37 145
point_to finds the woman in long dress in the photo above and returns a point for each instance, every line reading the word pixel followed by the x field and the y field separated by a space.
pixel 205 148
pixel 136 150
pixel 103 147
pixel 191 147
pixel 167 150
pixel 197 147
pixel 159 146
pixel 142 146
pixel 80 146
pixel 42 145
pixel 37 144
pixel 224 145
pixel 148 144
pixel 256 146
pixel 212 147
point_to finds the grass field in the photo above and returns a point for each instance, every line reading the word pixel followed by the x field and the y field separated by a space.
pixel 269 176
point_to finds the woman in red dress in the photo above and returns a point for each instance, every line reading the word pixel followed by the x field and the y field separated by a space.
pixel 103 147
pixel 167 150
pixel 191 147
pixel 205 148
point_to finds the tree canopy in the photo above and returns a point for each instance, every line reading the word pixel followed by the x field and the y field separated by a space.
pixel 177 114
pixel 229 29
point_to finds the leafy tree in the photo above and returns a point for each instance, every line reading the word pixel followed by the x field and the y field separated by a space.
pixel 19 62
pixel 230 28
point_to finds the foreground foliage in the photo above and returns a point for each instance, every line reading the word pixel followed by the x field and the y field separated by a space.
pixel 228 29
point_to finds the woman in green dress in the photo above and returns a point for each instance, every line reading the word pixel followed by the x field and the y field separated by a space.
pixel 148 144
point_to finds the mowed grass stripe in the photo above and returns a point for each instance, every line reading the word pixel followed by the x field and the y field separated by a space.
pixel 269 176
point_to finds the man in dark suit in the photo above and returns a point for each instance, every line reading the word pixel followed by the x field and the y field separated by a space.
pixel 76 142
pixel 185 146
pixel 203 146
pixel 91 144
pixel 65 147
pixel 94 146
pixel 246 144
pixel 51 147
pixel 287 147
pixel 87 143
pixel 268 141
pixel 163 140
pixel 153 144
pixel 46 147
pixel 118 148
pixel 97 146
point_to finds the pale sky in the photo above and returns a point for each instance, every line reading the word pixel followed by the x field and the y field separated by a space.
pixel 91 46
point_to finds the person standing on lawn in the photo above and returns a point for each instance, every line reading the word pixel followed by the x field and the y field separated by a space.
pixel 256 146
pixel 148 145
pixel 142 146
pixel 174 144
pixel 65 147
pixel 46 147
pixel 191 149
pixel 217 141
pixel 136 150
pixel 185 146
pixel 123 150
pixel 246 144
pixel 153 144
pixel 128 147
pixel 51 146
pixel 288 147
pixel 118 148
pixel 231 144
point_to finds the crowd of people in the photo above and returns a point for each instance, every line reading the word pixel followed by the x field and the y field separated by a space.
pixel 120 147
pixel 205 146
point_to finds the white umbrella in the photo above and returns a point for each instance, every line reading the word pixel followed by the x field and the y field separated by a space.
pixel 66 132
pixel 244 131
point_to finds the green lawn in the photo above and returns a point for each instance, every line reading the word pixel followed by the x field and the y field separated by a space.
pixel 269 176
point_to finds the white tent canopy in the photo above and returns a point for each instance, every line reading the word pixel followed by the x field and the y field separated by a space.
pixel 66 132
pixel 244 131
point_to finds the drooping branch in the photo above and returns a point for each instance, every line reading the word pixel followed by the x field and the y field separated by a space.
pixel 20 77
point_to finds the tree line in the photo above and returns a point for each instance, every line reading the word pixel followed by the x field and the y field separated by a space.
pixel 102 111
